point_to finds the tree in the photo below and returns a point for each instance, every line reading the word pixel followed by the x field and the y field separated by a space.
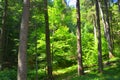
pixel 100 66
pixel 48 53
pixel 94 23
pixel 3 34
pixel 107 30
pixel 119 5
pixel 105 20
pixel 79 46
pixel 22 64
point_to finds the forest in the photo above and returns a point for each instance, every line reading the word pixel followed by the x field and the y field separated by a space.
pixel 59 39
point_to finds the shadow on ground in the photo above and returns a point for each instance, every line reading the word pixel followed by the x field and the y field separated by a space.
pixel 111 72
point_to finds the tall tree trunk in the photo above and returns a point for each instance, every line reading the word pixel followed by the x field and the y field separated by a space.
pixel 95 25
pixel 107 28
pixel 22 64
pixel 102 16
pixel 79 46
pixel 119 5
pixel 2 34
pixel 111 29
pixel 100 65
pixel 48 53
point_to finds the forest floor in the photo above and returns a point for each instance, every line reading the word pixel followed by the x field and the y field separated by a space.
pixel 111 72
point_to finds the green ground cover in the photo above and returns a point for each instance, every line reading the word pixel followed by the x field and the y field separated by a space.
pixel 111 72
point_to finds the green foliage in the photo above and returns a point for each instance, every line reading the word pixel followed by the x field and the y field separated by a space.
pixel 62 21
pixel 11 32
pixel 116 30
pixel 63 47
pixel 110 73
pixel 104 48
pixel 8 74
pixel 32 75
pixel 89 50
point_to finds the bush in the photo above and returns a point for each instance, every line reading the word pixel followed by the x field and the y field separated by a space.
pixel 8 74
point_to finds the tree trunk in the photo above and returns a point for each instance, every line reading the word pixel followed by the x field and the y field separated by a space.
pixel 95 25
pixel 22 64
pixel 119 5
pixel 3 34
pixel 100 65
pixel 107 28
pixel 102 16
pixel 48 53
pixel 79 46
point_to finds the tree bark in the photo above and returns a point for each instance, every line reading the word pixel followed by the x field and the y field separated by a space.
pixel 48 53
pixel 79 44
pixel 102 16
pixel 119 5
pixel 107 28
pixel 100 64
pixel 22 64
pixel 3 34
pixel 95 25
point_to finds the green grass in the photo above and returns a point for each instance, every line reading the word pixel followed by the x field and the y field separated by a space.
pixel 67 73
pixel 111 72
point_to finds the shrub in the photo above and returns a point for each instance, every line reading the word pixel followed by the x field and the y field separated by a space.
pixel 8 74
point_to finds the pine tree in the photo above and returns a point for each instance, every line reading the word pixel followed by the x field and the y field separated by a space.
pixel 100 66
pixel 22 64
pixel 79 46
pixel 48 53
pixel 3 34
pixel 107 30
